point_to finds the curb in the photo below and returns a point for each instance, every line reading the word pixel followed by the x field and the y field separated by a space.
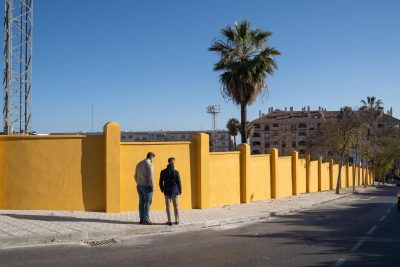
pixel 91 236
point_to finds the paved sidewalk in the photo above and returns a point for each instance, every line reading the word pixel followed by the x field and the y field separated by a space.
pixel 23 227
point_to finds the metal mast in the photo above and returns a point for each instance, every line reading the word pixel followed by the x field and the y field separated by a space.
pixel 214 110
pixel 17 81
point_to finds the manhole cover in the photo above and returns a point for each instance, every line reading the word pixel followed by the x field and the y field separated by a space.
pixel 100 242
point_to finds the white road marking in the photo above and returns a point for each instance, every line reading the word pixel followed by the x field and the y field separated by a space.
pixel 382 218
pixel 339 262
pixel 388 210
pixel 361 198
pixel 357 246
pixel 373 228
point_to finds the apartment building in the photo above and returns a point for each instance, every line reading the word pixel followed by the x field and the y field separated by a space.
pixel 288 129
pixel 222 138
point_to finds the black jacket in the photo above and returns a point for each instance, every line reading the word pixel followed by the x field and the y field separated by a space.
pixel 170 181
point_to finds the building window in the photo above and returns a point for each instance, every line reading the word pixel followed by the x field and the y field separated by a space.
pixel 256 135
pixel 267 135
pixel 311 127
pixel 283 145
pixel 302 125
pixel 130 136
pixel 256 126
pixel 256 143
pixel 294 144
pixel 267 145
pixel 293 127
pixel 266 127
pixel 302 151
pixel 380 125
pixel 302 134
pixel 389 125
pixel 275 125
pixel 302 143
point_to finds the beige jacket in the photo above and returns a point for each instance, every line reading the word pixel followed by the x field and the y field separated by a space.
pixel 144 174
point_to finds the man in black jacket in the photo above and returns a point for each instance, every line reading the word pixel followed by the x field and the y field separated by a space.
pixel 170 185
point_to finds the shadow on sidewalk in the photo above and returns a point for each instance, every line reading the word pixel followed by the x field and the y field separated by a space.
pixel 51 218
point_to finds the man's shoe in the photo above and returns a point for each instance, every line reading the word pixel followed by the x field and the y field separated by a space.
pixel 169 223
pixel 141 222
pixel 176 223
pixel 148 223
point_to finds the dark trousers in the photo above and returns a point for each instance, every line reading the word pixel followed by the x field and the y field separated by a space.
pixel 145 197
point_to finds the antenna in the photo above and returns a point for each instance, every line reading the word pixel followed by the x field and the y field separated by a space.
pixel 92 118
pixel 17 81
pixel 214 110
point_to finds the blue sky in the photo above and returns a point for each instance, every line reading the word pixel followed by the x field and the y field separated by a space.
pixel 145 64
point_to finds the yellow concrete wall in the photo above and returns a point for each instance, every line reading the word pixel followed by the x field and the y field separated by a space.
pixel 284 176
pixel 260 177
pixel 351 172
pixel 302 178
pixel 52 172
pixel 325 176
pixel 335 174
pixel 314 176
pixel 134 152
pixel 224 181
pixel 343 177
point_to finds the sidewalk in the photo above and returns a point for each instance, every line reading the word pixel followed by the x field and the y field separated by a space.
pixel 23 227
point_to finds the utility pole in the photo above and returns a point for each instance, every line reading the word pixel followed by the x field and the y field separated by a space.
pixel 214 110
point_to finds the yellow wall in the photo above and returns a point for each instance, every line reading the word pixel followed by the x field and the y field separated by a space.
pixel 260 182
pixel 284 176
pixel 335 174
pixel 351 172
pixel 224 181
pixel 302 178
pixel 132 153
pixel 314 176
pixel 95 173
pixel 325 176
pixel 52 172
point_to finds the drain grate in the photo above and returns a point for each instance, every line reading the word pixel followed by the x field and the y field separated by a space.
pixel 100 242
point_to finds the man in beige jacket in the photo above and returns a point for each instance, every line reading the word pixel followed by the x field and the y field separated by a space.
pixel 144 177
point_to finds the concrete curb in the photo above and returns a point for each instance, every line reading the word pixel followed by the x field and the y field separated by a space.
pixel 154 230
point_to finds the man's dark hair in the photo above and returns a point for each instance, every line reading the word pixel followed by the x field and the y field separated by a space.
pixel 150 155
pixel 170 160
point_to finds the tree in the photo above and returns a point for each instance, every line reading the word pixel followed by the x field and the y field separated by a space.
pixel 233 126
pixel 347 126
pixel 372 104
pixel 245 60
pixel 249 130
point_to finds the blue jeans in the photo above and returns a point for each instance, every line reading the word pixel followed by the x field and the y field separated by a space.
pixel 145 197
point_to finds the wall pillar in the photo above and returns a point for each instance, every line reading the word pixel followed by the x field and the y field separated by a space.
pixel 202 148
pixel 331 174
pixel 308 178
pixel 319 173
pixel 274 172
pixel 347 175
pixel 295 168
pixel 112 137
pixel 244 173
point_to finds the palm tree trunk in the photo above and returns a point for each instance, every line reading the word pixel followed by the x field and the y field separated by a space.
pixel 243 113
pixel 234 141
pixel 365 176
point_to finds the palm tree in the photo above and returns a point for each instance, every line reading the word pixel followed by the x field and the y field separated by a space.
pixel 233 126
pixel 249 130
pixel 371 104
pixel 245 61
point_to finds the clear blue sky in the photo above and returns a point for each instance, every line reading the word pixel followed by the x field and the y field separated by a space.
pixel 145 64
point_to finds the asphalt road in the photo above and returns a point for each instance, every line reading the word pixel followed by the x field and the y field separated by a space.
pixel 359 230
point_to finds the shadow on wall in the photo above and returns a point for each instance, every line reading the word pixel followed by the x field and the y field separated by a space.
pixel 93 173
pixel 193 179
